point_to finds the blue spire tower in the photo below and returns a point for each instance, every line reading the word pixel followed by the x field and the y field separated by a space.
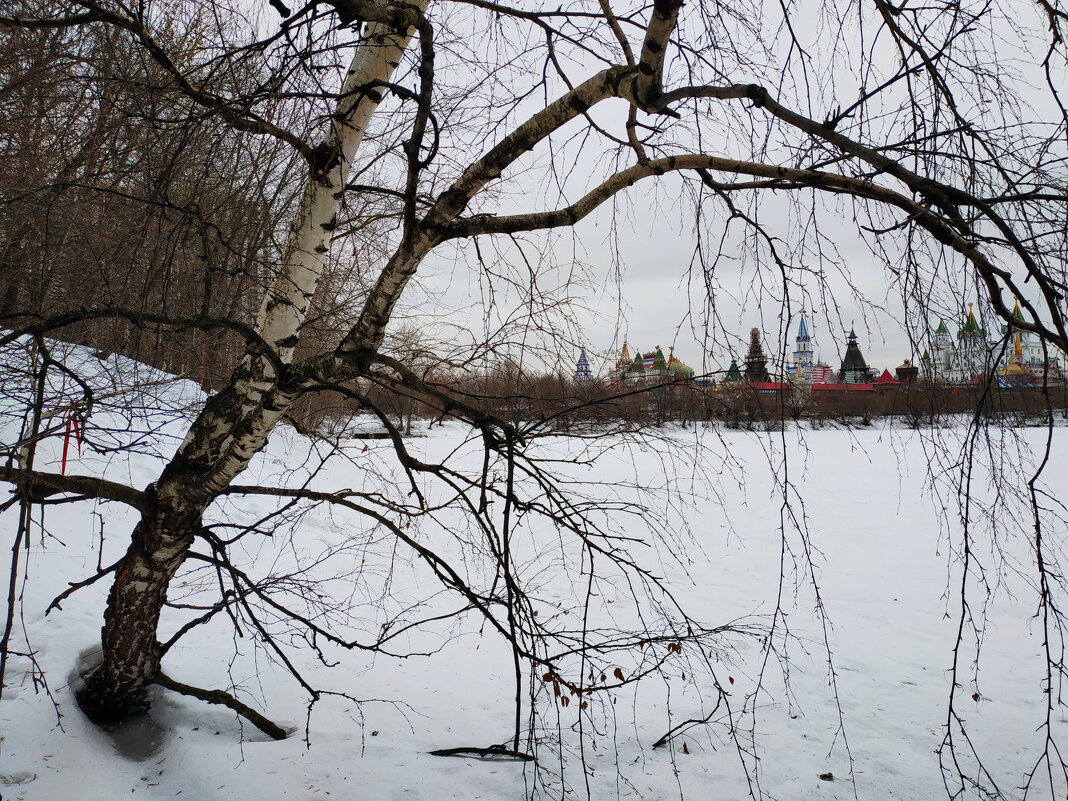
pixel 803 349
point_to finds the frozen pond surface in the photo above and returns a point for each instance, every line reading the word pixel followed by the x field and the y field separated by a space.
pixel 871 535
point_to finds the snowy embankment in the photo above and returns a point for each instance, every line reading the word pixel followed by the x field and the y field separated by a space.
pixel 770 528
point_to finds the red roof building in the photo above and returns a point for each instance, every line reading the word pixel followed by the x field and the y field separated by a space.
pixel 886 382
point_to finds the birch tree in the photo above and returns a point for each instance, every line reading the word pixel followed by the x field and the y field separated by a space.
pixel 904 121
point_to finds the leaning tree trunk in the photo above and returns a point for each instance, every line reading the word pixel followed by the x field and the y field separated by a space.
pixel 220 444
pixel 234 425
pixel 131 651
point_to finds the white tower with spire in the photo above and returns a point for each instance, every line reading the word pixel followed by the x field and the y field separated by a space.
pixel 803 349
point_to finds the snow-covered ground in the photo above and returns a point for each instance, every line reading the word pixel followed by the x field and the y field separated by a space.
pixel 861 524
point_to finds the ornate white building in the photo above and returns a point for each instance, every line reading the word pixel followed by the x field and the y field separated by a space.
pixel 1016 354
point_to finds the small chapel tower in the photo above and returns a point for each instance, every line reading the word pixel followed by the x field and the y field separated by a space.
pixel 582 368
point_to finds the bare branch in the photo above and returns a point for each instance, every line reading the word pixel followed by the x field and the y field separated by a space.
pixel 44 485
pixel 221 698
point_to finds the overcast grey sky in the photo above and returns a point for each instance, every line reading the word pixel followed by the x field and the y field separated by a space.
pixel 639 263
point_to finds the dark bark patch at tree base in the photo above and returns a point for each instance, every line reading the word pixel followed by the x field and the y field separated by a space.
pixel 110 713
pixel 106 711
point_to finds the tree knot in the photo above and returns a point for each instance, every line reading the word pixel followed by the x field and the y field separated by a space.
pixel 758 94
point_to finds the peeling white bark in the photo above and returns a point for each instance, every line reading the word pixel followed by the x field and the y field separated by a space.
pixel 235 424
pixel 285 304
pixel 226 437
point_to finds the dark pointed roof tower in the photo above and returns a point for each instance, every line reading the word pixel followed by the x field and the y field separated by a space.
pixel 854 369
pixel 756 363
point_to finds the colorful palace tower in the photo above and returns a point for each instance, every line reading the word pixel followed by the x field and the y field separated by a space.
pixel 1016 356
pixel 960 362
pixel 652 367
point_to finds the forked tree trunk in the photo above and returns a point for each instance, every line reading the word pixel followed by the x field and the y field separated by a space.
pixel 234 425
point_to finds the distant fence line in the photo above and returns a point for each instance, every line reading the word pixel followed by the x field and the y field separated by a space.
pixel 562 404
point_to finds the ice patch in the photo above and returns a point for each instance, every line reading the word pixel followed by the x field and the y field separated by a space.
pixel 139 738
pixel 18 777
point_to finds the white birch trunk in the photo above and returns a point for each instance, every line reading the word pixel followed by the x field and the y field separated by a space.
pixel 230 432
pixel 234 424
pixel 285 304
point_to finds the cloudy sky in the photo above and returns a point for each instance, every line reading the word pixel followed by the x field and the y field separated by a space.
pixel 638 270
pixel 662 300
pixel 640 282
